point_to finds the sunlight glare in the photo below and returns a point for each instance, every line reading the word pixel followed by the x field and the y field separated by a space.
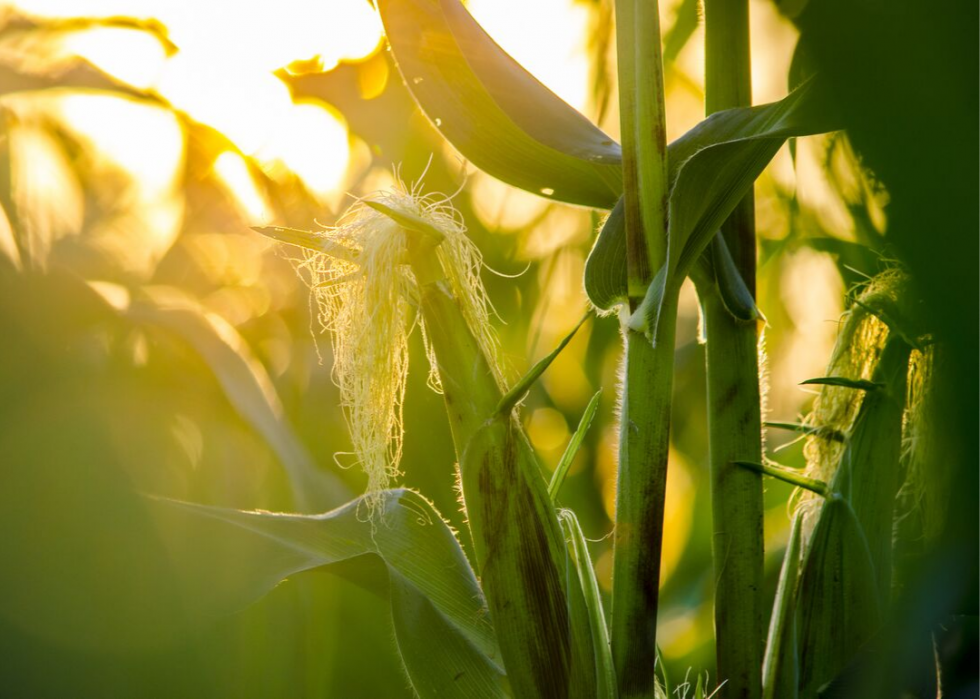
pixel 560 62
pixel 232 170
pixel 312 141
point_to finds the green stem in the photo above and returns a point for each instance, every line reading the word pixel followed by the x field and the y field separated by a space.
pixel 644 137
pixel 733 394
pixel 645 429
pixel 643 448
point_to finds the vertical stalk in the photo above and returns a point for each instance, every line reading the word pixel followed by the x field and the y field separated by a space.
pixel 640 490
pixel 645 421
pixel 734 419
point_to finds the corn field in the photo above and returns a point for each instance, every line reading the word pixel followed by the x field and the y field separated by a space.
pixel 590 349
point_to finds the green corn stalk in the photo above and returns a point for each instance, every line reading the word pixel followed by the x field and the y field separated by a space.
pixel 519 545
pixel 645 413
pixel 734 415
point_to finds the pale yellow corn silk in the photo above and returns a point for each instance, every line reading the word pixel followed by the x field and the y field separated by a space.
pixel 859 344
pixel 366 296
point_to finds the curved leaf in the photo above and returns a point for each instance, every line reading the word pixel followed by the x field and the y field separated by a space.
pixel 441 623
pixel 710 168
pixel 246 384
pixel 493 111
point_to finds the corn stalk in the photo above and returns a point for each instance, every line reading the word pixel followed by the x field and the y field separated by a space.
pixel 734 418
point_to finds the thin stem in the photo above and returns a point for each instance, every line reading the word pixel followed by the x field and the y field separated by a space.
pixel 641 487
pixel 734 415
pixel 645 420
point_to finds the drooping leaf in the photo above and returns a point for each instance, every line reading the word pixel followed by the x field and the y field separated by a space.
pixel 246 384
pixel 493 111
pixel 440 619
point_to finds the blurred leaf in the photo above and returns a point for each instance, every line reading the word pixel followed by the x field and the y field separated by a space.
pixel 495 112
pixel 681 31
pixel 246 384
pixel 578 552
pixel 441 623
pixel 709 169
pixel 33 55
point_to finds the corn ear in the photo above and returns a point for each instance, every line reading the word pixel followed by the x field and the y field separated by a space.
pixel 838 600
pixel 520 551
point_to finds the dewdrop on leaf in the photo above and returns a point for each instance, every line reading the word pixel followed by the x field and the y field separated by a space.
pixel 366 295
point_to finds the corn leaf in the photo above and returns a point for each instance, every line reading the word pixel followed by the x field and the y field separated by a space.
pixel 246 384
pixel 578 554
pixel 440 620
pixel 838 597
pixel 710 168
pixel 493 111
pixel 565 462
pixel 779 666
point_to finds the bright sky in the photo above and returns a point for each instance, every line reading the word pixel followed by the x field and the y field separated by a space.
pixel 223 73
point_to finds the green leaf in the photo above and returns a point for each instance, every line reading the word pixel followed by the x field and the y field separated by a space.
pixel 681 31
pixel 735 295
pixel 578 552
pixel 710 168
pixel 558 477
pixel 787 476
pixel 716 175
pixel 493 111
pixel 516 394
pixel 838 596
pixel 842 382
pixel 246 384
pixel 605 280
pixel 780 665
pixel 440 619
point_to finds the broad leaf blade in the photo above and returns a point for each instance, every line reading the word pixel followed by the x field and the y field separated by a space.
pixel 437 605
pixel 495 112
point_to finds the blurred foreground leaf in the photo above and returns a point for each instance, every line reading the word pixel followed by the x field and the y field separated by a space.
pixel 441 622
pixel 246 384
